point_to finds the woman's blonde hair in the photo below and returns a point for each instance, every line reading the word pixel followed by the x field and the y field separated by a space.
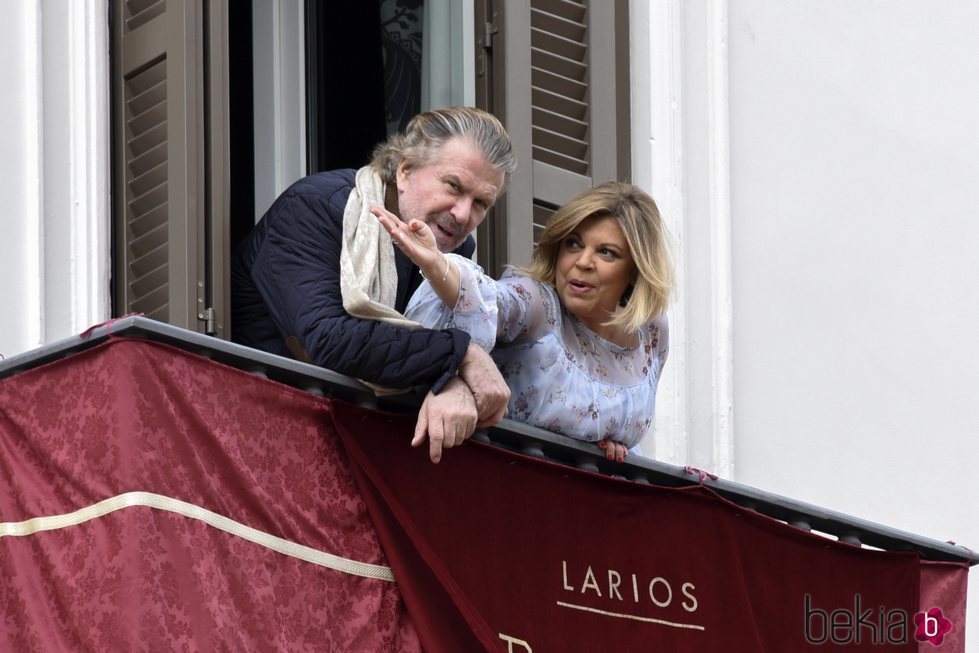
pixel 639 218
pixel 427 132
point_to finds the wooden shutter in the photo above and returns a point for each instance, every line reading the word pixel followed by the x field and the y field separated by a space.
pixel 170 245
pixel 556 72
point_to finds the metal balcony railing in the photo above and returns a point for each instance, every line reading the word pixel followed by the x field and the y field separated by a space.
pixel 508 434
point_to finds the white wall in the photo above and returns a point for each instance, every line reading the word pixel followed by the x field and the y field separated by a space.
pixel 54 230
pixel 855 155
pixel 855 228
pixel 849 131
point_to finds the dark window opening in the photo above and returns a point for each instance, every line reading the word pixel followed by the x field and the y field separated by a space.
pixel 363 77
pixel 344 84
pixel 401 40
pixel 241 120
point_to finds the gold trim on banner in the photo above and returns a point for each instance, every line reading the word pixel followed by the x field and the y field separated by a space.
pixel 630 616
pixel 160 502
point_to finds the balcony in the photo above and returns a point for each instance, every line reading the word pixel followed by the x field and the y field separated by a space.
pixel 646 593
pixel 510 435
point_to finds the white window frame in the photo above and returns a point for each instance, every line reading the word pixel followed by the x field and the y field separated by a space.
pixel 279 83
pixel 69 221
pixel 673 105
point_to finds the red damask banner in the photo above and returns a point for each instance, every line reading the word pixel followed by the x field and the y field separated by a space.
pixel 218 508
pixel 505 552
pixel 151 499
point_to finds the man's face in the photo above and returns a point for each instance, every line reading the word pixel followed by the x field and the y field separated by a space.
pixel 451 194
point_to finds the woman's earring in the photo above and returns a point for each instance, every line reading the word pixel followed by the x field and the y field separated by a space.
pixel 627 295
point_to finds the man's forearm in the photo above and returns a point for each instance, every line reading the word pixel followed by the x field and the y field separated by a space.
pixel 487 385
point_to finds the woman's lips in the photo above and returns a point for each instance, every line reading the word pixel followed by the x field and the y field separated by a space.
pixel 579 286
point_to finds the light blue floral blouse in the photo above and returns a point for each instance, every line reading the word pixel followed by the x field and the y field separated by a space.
pixel 562 376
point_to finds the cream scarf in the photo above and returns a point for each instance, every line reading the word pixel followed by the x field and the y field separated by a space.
pixel 368 277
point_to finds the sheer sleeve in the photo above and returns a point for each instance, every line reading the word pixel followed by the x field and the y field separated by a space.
pixel 527 308
pixel 514 309
pixel 475 311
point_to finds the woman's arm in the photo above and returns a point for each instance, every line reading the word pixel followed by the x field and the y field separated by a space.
pixel 475 311
pixel 527 308
pixel 514 309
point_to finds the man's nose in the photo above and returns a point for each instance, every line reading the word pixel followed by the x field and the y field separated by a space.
pixel 462 209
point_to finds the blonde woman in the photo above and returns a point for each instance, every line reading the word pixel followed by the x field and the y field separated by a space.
pixel 580 336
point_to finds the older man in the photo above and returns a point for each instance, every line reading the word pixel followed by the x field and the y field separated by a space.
pixel 318 278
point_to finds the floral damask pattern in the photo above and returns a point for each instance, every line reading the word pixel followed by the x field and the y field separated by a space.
pixel 129 416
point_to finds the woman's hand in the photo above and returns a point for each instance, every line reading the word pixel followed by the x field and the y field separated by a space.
pixel 614 450
pixel 415 239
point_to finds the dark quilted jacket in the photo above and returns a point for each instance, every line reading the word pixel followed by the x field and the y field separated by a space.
pixel 285 281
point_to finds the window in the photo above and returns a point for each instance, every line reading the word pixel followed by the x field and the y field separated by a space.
pixel 555 72
pixel 170 161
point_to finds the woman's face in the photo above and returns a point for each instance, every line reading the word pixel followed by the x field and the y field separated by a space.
pixel 594 268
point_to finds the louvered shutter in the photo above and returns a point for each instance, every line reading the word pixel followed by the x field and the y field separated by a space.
pixel 556 72
pixel 167 210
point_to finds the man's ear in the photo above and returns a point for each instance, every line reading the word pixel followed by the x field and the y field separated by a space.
pixel 404 169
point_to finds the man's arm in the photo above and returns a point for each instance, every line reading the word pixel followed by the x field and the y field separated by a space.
pixel 297 272
pixel 446 419
pixel 488 388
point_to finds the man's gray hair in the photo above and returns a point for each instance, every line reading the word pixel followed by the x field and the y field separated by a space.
pixel 427 132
